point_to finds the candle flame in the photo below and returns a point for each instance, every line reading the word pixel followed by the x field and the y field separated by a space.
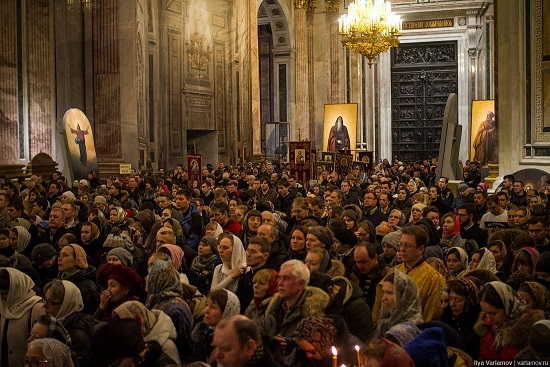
pixel 357 348
pixel 334 351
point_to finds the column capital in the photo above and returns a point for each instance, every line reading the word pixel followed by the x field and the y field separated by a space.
pixel 305 4
pixel 332 6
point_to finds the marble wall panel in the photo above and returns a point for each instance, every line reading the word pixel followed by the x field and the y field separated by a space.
pixel 9 89
pixel 40 83
pixel 174 94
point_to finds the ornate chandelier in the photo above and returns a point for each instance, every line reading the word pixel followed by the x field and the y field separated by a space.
pixel 370 28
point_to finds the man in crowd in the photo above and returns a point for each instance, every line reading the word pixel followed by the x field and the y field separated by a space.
pixel 370 209
pixel 538 231
pixel 368 271
pixel 192 223
pixel 446 193
pixel 496 218
pixel 468 229
pixel 257 254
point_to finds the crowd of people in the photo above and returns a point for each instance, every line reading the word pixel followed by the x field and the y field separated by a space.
pixel 246 266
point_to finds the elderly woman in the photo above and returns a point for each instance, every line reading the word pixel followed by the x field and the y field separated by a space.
pixel 48 327
pixel 400 302
pixel 64 302
pixel 155 326
pixel 20 307
pixel 319 260
pixel 233 257
pixel 73 266
pixel 20 239
pixel 165 294
pixel 320 237
pixel 50 351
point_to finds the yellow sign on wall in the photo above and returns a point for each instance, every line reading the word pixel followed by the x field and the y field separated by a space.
pixel 423 24
pixel 125 169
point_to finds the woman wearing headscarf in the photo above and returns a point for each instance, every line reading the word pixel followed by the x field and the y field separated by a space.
pixel 20 307
pixel 400 302
pixel 121 284
pixel 220 304
pixel 483 259
pixel 451 231
pixel 503 326
pixel 56 353
pixel 73 266
pixel 456 262
pixel 165 294
pixel 319 260
pixel 403 202
pixel 526 261
pixel 20 239
pixel 233 257
pixel 204 264
pixel 48 327
pixel 536 297
pixel 251 222
pixel 155 326
pixel 264 286
pixel 91 242
pixel 146 219
pixel 64 302
pixel 463 311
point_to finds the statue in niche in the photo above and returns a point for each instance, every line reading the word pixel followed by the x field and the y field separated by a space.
pixel 419 113
pixel 485 141
pixel 429 89
pixel 429 136
pixel 395 112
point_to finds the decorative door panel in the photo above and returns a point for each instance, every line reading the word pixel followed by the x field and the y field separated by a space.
pixel 422 76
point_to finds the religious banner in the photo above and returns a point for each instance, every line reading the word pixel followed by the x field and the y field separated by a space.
pixel 367 159
pixel 340 127
pixel 194 167
pixel 79 143
pixel 300 160
pixel 343 164
pixel 484 130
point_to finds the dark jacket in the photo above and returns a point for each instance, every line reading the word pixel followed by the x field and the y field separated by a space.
pixel 284 204
pixel 475 233
pixel 192 225
pixel 81 328
pixel 367 282
pixel 277 256
pixel 245 290
pixel 84 279
pixel 375 216
pixel 464 326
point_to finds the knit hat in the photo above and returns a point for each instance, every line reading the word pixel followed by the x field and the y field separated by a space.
pixel 41 253
pixel 100 199
pixel 462 187
pixel 350 213
pixel 84 182
pixel 70 195
pixel 418 206
pixel 543 264
pixel 123 255
pixel 403 333
pixel 118 240
pixel 428 348
pixel 80 256
pixel 392 239
pixel 212 242
pixel 126 276
pixel 346 237
pixel 482 186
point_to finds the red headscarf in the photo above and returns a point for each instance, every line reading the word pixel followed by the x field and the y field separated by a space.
pixel 271 289
pixel 456 229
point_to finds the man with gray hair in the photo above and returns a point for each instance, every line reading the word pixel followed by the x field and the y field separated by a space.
pixel 238 343
pixel 294 301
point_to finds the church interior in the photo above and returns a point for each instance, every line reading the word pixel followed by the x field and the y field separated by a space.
pixel 236 80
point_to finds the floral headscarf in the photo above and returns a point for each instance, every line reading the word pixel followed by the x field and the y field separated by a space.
pixel 23 238
pixel 472 291
pixel 317 330
pixel 136 310
pixel 487 261
pixel 60 352
pixel 163 281
pixel 541 296
pixel 407 304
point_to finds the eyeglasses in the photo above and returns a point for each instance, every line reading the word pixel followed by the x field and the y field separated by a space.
pixel 49 302
pixel 33 362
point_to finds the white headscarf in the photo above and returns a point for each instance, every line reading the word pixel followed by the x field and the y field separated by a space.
pixel 21 297
pixel 72 302
pixel 23 239
pixel 238 256
pixel 54 351
pixel 487 261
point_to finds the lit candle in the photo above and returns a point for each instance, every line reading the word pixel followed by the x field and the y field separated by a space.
pixel 358 356
pixel 334 357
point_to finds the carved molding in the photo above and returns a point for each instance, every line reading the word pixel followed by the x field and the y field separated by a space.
pixel 424 54
pixel 541 134
pixel 309 5
pixel 332 6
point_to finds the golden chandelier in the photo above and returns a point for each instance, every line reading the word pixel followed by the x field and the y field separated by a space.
pixel 370 28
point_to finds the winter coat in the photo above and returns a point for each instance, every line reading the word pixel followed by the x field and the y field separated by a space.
pixel 463 325
pixel 84 279
pixel 312 302
pixel 257 314
pixel 514 336
pixel 81 327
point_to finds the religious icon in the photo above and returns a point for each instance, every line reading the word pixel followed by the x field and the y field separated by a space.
pixel 194 166
pixel 340 127
pixel 80 140
pixel 79 145
pixel 300 156
pixel 484 132
pixel 338 138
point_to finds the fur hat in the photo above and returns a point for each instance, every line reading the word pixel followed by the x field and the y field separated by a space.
pixel 346 237
pixel 80 256
pixel 350 213
pixel 123 255
pixel 100 199
pixel 41 253
pixel 126 276
pixel 462 187
pixel 392 239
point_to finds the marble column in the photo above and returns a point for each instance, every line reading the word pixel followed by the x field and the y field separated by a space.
pixel 255 82
pixel 9 88
pixel 334 46
pixel 302 116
